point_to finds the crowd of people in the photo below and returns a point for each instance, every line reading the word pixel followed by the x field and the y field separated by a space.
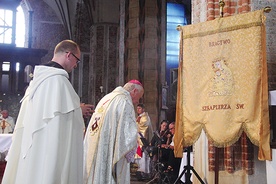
pixel 51 144
pixel 161 152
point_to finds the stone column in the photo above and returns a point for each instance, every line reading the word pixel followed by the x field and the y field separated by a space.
pixel 103 62
pixel 143 45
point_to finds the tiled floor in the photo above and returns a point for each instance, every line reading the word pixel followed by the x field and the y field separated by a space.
pixel 134 180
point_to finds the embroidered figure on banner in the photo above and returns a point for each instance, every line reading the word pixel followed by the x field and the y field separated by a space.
pixel 222 80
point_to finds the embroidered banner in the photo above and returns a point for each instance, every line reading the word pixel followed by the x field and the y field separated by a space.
pixel 222 83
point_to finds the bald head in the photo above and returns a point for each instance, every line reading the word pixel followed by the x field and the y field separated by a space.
pixel 135 89
pixel 5 113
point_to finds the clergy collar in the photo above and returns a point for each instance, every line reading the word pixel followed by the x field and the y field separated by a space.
pixel 53 64
pixel 142 113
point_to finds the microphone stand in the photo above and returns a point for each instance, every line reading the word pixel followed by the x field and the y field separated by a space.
pixel 157 167
pixel 187 170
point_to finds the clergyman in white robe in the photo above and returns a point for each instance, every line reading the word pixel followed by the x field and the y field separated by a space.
pixel 111 135
pixel 7 124
pixel 145 130
pixel 47 145
pixel 5 127
pixel 8 119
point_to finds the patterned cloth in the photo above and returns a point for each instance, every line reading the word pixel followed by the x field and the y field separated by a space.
pixel 110 140
pixel 239 156
pixel 216 92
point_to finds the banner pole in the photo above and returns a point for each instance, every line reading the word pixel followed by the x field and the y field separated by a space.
pixel 221 6
pixel 267 9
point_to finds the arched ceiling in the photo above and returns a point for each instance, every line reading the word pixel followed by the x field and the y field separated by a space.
pixel 66 11
pixel 9 4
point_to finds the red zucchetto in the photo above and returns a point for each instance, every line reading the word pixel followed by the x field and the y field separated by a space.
pixel 135 82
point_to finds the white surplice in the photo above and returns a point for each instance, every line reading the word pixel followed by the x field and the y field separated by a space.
pixel 110 136
pixel 47 142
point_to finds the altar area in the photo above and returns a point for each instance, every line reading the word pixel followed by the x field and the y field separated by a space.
pixel 5 143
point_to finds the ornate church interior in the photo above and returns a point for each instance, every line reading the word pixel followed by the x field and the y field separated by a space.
pixel 121 40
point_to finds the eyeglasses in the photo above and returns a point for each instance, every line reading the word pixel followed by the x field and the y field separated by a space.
pixel 171 128
pixel 78 60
